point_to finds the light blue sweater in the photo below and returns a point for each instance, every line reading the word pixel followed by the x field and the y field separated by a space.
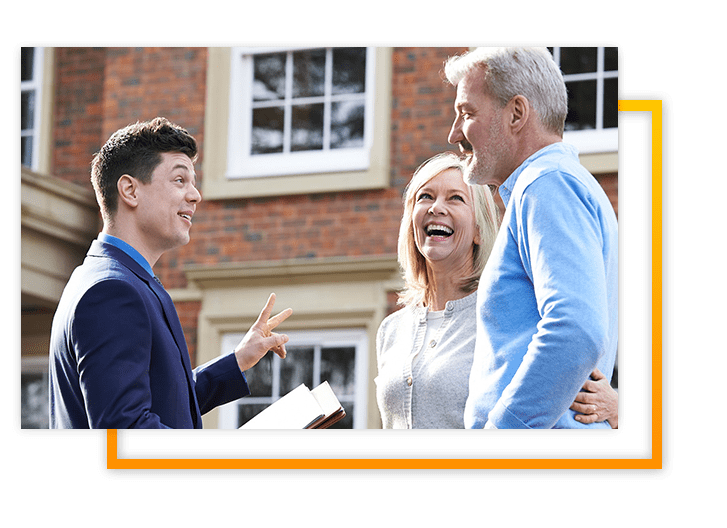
pixel 548 297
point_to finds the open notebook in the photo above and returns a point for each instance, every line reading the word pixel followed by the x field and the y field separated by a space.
pixel 301 408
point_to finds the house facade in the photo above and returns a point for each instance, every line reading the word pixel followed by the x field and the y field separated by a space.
pixel 304 156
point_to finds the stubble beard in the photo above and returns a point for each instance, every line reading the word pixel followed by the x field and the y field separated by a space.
pixel 475 173
pixel 482 170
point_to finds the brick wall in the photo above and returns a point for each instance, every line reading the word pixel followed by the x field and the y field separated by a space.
pixel 609 182
pixel 188 312
pixel 78 112
pixel 142 83
pixel 422 109
pixel 331 224
pixel 102 89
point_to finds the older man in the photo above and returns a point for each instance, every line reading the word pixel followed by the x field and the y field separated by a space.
pixel 548 297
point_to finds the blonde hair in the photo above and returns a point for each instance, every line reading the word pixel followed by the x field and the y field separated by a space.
pixel 417 290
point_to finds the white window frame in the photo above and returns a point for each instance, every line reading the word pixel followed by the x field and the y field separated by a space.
pixel 35 85
pixel 600 139
pixel 240 162
pixel 357 338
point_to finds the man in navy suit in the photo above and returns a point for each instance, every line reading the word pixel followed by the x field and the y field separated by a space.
pixel 118 357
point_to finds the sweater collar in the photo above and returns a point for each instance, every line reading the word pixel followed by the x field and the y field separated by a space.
pixel 457 305
pixel 509 184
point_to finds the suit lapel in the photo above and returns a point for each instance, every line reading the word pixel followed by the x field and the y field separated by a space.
pixel 170 312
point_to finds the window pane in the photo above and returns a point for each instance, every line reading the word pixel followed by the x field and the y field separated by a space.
pixel 27 110
pixel 296 368
pixel 349 70
pixel 581 106
pixel 338 368
pixel 26 150
pixel 347 124
pixel 309 73
pixel 33 401
pixel 267 130
pixel 610 103
pixel 247 410
pixel 610 62
pixel 260 377
pixel 269 77
pixel 26 64
pixel 577 60
pixel 307 127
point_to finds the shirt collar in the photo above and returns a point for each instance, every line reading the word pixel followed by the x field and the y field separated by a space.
pixel 508 185
pixel 128 249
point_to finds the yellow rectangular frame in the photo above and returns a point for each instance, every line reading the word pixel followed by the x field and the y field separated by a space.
pixel 112 462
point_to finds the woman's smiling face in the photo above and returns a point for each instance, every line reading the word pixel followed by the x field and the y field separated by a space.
pixel 444 222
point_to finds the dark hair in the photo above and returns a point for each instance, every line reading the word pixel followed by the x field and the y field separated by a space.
pixel 135 150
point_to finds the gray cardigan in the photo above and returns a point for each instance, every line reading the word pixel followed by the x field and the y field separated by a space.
pixel 431 393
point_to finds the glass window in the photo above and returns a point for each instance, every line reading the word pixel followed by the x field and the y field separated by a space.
pixel 34 394
pixel 591 77
pixel 30 84
pixel 336 356
pixel 34 401
pixel 298 111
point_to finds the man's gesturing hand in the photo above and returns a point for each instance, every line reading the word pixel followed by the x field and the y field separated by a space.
pixel 260 338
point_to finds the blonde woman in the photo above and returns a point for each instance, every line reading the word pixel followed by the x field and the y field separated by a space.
pixel 425 350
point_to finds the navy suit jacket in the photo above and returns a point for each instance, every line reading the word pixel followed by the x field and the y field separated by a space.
pixel 118 357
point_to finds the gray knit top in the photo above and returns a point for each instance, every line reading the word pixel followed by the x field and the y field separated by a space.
pixel 430 392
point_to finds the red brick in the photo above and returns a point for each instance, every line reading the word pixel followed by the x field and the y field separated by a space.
pixel 102 89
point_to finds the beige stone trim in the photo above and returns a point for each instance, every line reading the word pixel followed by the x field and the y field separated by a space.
pixel 332 269
pixel 58 222
pixel 600 163
pixel 57 208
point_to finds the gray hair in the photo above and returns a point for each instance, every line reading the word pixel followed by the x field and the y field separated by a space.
pixel 530 72
pixel 417 289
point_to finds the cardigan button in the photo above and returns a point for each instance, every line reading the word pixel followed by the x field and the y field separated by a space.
pixel 409 381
